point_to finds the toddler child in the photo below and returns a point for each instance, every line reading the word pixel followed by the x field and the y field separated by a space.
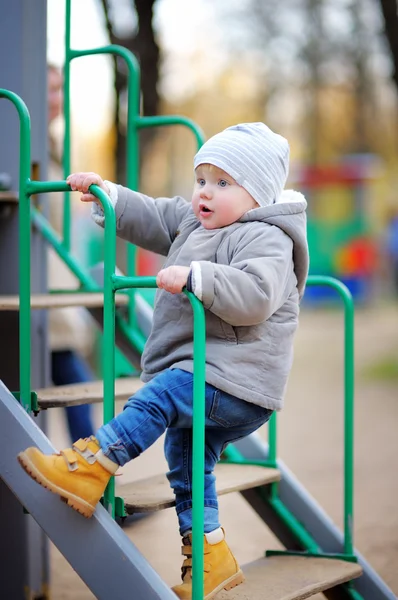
pixel 240 246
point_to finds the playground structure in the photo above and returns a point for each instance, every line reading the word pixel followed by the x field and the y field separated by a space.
pixel 339 228
pixel 319 557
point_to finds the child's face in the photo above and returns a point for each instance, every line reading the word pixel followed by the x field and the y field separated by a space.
pixel 217 199
pixel 55 93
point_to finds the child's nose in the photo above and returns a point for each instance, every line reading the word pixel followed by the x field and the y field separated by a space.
pixel 205 191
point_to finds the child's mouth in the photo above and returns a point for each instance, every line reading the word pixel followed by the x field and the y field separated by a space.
pixel 204 210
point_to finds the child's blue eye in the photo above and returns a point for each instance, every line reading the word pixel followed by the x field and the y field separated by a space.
pixel 201 182
pixel 223 183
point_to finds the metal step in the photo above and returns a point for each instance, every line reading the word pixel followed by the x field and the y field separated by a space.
pixel 9 197
pixel 86 393
pixel 291 578
pixel 310 514
pixel 154 493
pixel 97 548
pixel 61 300
pixel 100 541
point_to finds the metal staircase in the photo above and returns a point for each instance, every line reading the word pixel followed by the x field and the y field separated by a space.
pixel 98 549
pixel 109 563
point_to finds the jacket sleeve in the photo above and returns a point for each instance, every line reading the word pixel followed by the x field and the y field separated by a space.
pixel 254 285
pixel 151 223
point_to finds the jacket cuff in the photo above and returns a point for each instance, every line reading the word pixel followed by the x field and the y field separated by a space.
pixel 97 213
pixel 194 283
pixel 206 281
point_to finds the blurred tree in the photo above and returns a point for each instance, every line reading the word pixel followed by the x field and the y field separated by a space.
pixel 389 9
pixel 309 50
pixel 130 24
pixel 312 53
pixel 362 85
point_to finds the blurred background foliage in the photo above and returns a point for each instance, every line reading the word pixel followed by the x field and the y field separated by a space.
pixel 321 72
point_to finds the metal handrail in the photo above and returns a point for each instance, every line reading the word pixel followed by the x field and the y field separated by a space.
pixel 233 455
pixel 112 283
pixel 28 188
pixel 198 443
pixel 349 379
pixel 24 248
pixel 134 122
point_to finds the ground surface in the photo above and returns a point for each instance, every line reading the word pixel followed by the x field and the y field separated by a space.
pixel 310 443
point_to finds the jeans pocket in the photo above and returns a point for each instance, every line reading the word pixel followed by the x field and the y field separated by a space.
pixel 229 411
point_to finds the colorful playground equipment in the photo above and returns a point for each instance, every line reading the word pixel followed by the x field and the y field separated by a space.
pixel 340 235
pixel 318 557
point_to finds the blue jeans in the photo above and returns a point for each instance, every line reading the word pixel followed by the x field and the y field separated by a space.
pixel 69 367
pixel 166 403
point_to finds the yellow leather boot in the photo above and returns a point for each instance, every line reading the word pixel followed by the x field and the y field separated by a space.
pixel 221 571
pixel 78 475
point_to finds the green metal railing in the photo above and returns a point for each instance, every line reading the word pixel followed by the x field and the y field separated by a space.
pixel 233 455
pixel 24 248
pixel 112 283
pixel 135 122
pixel 348 476
pixel 198 452
pixel 61 245
pixel 349 379
pixel 27 188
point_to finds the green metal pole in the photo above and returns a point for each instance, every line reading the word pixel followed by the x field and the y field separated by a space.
pixel 135 337
pixel 272 440
pixel 132 158
pixel 233 455
pixel 24 248
pixel 132 167
pixel 345 294
pixel 121 283
pixel 198 455
pixel 160 121
pixel 133 110
pixel 108 342
pixel 109 308
pixel 302 536
pixel 66 158
pixel 134 122
pixel 43 187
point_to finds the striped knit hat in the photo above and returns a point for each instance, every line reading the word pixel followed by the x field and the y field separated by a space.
pixel 256 157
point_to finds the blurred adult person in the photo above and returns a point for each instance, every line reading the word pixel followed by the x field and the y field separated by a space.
pixel 70 333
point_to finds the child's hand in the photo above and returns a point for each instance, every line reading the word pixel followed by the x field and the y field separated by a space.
pixel 173 279
pixel 80 182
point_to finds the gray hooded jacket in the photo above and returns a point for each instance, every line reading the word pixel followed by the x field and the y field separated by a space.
pixel 252 277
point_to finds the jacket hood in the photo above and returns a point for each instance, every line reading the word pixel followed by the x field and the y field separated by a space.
pixel 288 213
